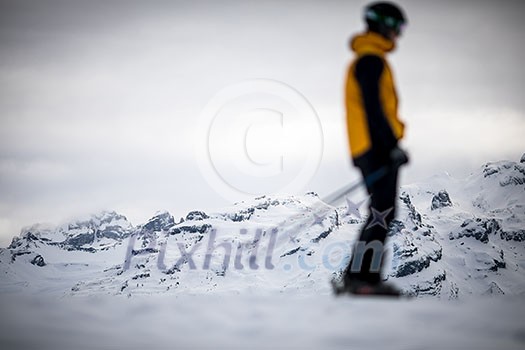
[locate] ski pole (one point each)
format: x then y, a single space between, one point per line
368 181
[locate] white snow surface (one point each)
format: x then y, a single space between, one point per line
254 321
256 275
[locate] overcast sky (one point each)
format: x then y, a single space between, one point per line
102 102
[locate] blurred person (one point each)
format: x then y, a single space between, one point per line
374 131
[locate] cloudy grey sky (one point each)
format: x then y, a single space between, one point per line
101 102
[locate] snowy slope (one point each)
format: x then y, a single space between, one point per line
221 321
452 238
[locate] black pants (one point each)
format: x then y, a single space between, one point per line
367 254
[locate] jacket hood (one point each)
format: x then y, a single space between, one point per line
371 42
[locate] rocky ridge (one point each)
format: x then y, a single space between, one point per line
451 238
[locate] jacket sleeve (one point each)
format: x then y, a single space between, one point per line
368 72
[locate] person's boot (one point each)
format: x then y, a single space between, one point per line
357 287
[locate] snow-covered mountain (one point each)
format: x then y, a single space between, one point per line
452 238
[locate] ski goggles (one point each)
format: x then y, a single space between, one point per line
397 25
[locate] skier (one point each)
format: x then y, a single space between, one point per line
374 130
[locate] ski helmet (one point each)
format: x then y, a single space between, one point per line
384 17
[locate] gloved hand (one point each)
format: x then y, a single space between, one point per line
398 157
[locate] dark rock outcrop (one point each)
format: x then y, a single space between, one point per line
80 240
412 262
441 200
190 229
508 173
38 261
432 287
160 222
413 214
518 235
196 216
479 229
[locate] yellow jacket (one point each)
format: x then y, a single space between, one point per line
371 98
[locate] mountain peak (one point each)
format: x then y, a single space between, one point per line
161 221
